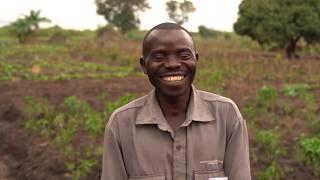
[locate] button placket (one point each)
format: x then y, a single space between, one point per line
179 155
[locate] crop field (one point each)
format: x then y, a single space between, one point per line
58 90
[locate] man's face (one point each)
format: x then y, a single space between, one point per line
170 61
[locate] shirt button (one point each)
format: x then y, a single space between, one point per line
178 148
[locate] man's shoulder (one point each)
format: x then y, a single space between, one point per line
126 112
211 97
134 104
220 101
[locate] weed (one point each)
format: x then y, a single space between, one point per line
301 90
122 100
268 141
272 172
308 151
266 95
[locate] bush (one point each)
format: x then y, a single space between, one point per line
266 95
268 141
308 151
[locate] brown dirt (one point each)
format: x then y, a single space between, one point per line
25 155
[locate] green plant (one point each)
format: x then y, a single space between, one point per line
121 13
268 142
272 172
308 151
122 100
9 70
266 95
24 27
302 90
40 116
281 23
179 11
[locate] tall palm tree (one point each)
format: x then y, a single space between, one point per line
34 19
22 28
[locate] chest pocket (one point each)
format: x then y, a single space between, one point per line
205 175
148 178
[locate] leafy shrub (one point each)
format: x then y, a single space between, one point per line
272 172
100 30
206 32
308 151
122 100
268 141
301 90
266 95
295 89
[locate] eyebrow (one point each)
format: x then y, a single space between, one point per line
184 50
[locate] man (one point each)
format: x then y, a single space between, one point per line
176 132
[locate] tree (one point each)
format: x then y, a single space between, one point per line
24 27
280 22
121 13
179 11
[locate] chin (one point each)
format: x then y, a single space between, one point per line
174 91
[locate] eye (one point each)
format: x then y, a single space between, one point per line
158 56
185 55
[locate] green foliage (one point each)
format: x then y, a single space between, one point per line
102 29
61 123
206 32
268 142
23 28
295 89
121 13
122 100
179 11
88 119
8 70
302 90
279 22
308 151
272 172
266 95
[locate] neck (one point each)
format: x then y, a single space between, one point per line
175 104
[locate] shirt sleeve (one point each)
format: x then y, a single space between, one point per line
113 167
237 163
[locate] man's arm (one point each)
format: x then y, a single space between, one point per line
237 163
113 167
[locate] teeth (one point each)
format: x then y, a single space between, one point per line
173 78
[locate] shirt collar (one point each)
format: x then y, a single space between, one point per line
151 113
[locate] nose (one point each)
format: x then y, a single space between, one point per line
173 63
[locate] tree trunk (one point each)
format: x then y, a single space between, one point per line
291 49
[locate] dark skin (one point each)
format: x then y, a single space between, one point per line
170 61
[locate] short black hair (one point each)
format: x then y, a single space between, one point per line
165 26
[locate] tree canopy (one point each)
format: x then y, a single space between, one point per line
24 27
179 11
121 13
280 22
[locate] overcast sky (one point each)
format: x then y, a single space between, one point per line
81 14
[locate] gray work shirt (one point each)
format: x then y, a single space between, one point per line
139 144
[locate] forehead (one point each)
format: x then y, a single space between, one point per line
168 38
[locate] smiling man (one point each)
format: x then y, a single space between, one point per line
175 132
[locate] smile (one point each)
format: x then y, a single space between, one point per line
173 78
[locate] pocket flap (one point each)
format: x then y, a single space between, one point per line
205 175
147 178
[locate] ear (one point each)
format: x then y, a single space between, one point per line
143 65
197 56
